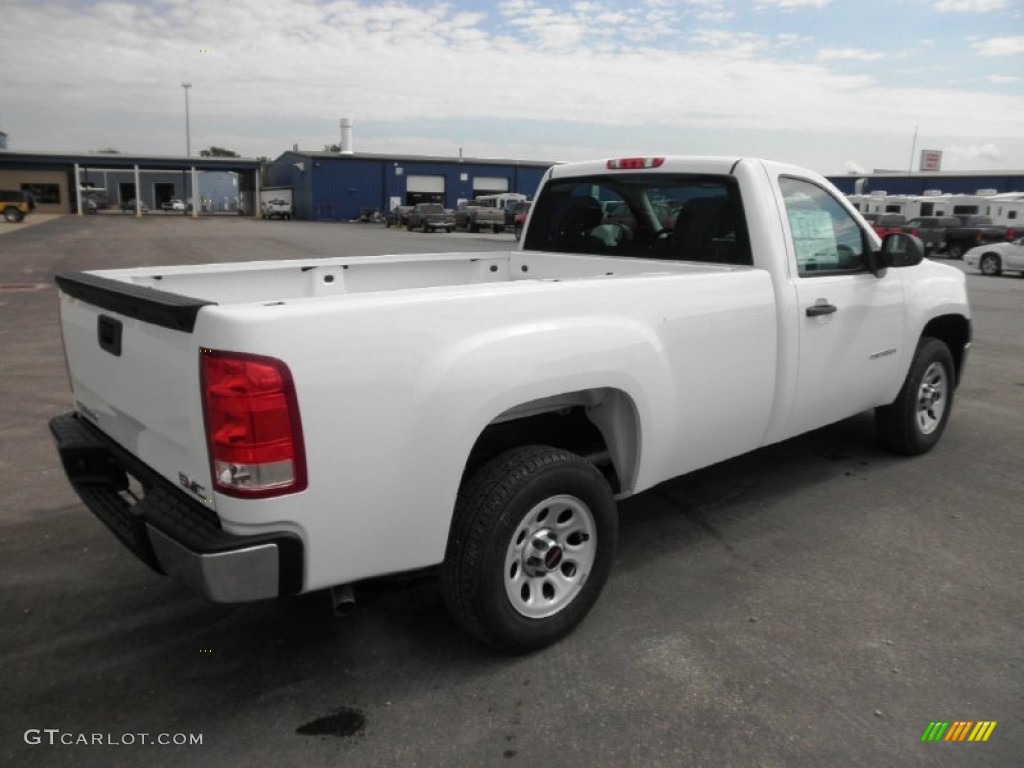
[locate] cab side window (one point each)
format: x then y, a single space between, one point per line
826 238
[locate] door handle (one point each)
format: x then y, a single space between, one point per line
821 307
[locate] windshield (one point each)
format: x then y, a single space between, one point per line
653 215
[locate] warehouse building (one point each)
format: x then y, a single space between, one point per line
342 186
924 182
114 179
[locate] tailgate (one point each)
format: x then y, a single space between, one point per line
134 369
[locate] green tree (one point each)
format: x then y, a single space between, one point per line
218 152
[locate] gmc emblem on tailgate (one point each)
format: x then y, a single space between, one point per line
191 485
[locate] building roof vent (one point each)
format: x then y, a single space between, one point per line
346 136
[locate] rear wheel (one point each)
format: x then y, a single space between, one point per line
955 251
989 265
915 420
531 546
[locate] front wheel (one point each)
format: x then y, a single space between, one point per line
915 420
530 548
13 215
990 266
955 251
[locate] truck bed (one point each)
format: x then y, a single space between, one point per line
274 281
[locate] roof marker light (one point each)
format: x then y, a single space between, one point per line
634 163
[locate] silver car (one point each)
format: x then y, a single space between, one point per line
995 258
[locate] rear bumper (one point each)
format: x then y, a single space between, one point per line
168 530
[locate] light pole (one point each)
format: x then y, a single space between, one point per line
188 153
188 133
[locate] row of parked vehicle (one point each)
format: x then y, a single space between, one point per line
471 216
954 235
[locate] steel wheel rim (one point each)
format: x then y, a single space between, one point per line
932 398
549 556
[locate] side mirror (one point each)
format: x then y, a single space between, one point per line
902 250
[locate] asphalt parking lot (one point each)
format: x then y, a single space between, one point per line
815 603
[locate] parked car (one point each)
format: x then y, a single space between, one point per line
174 205
431 217
277 207
128 206
473 217
886 223
995 258
931 230
522 210
974 231
13 205
399 216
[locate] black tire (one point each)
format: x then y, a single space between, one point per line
498 229
955 251
424 227
471 226
448 230
916 419
990 265
501 517
13 215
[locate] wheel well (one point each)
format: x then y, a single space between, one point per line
955 331
599 425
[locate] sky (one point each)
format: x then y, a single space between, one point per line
834 85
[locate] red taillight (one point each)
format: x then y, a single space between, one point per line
635 163
1011 233
913 231
252 425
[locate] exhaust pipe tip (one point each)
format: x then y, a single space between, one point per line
343 600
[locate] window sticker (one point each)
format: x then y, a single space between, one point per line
814 239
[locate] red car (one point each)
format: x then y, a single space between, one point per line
886 223
519 221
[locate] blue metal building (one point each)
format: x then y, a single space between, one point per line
341 186
949 182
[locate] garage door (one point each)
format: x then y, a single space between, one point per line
489 185
424 189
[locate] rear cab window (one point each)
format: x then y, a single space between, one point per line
644 215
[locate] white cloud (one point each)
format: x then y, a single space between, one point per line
286 71
787 39
999 46
1002 79
715 17
972 153
789 5
971 6
848 54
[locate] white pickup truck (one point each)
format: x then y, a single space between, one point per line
272 428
